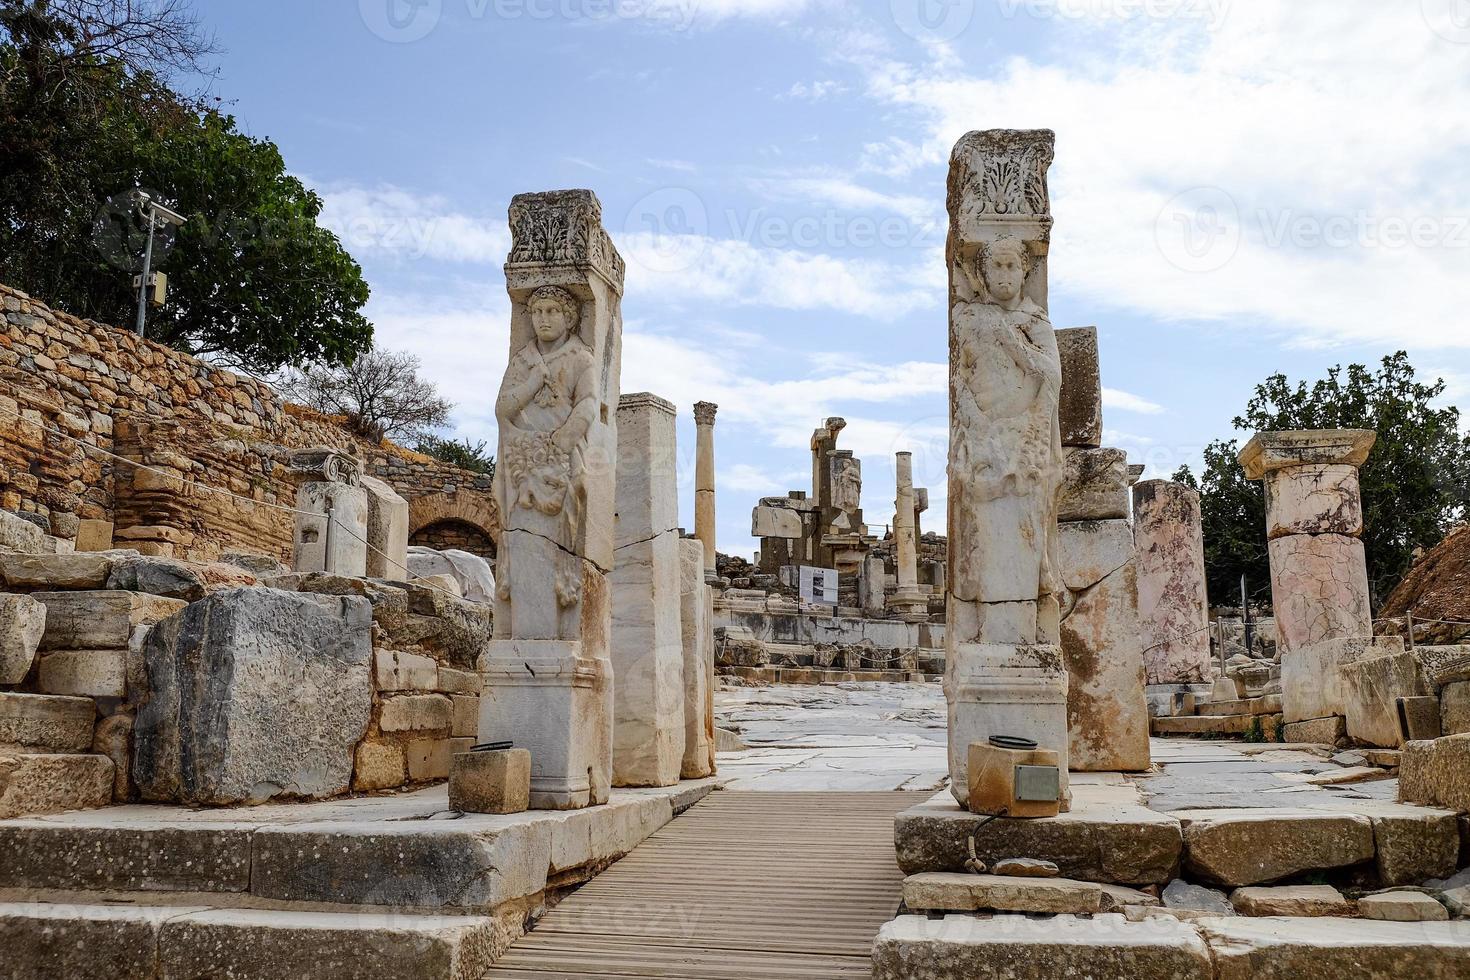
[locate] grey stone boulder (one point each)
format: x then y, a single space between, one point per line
157 576
254 694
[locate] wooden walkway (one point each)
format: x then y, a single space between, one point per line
744 886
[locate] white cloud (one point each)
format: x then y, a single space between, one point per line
385 221
1301 121
701 269
816 91
682 166
1129 402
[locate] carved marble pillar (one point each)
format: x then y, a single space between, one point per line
331 532
704 482
1004 671
908 602
1319 572
548 677
647 646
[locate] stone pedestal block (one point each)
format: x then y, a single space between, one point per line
1320 586
995 689
1173 608
254 694
331 536
548 697
1371 688
491 782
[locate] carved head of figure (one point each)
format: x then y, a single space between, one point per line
1004 265
554 314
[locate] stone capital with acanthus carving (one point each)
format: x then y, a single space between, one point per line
704 413
322 464
998 187
562 228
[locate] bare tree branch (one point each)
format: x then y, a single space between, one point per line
381 394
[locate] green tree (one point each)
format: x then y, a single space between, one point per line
459 452
86 117
1414 483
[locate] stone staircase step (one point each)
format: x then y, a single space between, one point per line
1239 724
46 723
81 942
1266 704
1224 948
36 783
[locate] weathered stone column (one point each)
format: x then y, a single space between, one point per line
331 533
1169 537
1004 672
908 601
704 482
1107 712
647 646
697 621
1319 573
548 677
387 530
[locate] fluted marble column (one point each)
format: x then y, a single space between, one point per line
704 482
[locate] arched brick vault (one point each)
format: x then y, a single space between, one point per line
472 507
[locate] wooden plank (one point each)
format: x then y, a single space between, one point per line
743 886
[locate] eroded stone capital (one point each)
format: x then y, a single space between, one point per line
1268 452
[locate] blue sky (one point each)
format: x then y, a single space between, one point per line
1241 187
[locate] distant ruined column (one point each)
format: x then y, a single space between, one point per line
704 483
1319 571
908 601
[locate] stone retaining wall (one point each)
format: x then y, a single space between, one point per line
185 418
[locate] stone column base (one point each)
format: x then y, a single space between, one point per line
910 605
547 697
998 689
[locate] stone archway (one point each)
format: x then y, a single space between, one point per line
466 520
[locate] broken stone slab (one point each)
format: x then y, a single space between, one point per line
1250 847
1116 897
1413 843
74 571
416 713
37 784
254 693
1402 907
37 723
102 620
171 578
1371 689
1180 894
913 947
1301 901
1436 772
1107 710
1308 949
20 535
84 673
1317 731
1454 708
87 941
948 892
1094 486
1025 868
394 670
1102 839
1344 777
22 625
